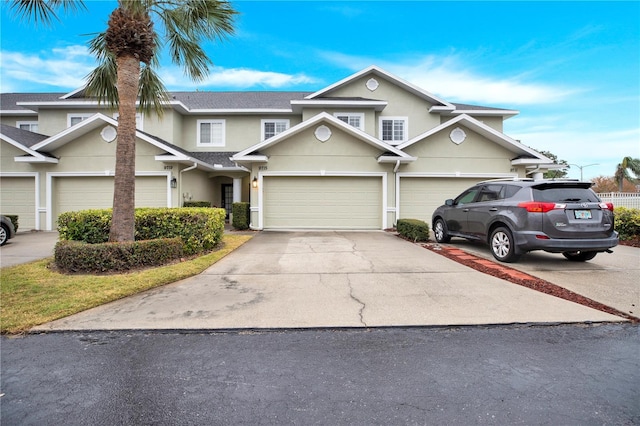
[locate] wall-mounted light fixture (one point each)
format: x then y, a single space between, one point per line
254 182
174 182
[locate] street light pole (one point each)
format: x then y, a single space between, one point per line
582 167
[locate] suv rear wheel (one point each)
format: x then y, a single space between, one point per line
579 256
502 246
440 231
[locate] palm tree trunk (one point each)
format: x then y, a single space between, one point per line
123 221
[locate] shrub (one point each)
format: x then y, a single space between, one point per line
196 204
74 256
200 229
627 222
413 229
241 214
14 221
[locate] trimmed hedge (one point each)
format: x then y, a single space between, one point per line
627 222
199 228
413 229
241 213
196 204
74 256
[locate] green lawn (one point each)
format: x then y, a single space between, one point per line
33 293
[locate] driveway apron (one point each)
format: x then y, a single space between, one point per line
330 279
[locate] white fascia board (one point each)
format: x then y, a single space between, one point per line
18 145
536 162
250 158
321 103
508 113
73 132
36 159
6 112
394 159
235 111
64 104
183 159
384 74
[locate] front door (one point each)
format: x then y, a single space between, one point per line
227 198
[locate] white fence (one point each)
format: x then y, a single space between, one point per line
629 200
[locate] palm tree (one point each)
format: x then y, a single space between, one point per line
121 81
622 171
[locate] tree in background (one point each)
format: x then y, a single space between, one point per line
622 174
121 81
602 184
555 174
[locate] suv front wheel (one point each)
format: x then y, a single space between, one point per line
502 246
440 231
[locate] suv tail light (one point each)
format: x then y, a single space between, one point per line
606 206
538 207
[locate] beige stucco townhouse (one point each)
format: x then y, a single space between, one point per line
358 154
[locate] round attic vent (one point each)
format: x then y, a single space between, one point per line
109 134
323 133
457 135
372 84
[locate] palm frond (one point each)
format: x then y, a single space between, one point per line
44 11
152 93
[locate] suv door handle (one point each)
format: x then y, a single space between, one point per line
465 210
493 209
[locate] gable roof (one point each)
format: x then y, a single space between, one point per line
389 152
379 72
24 140
525 155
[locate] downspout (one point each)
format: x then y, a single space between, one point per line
395 169
188 169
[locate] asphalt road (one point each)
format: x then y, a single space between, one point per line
560 375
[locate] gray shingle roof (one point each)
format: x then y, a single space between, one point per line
237 100
24 137
8 101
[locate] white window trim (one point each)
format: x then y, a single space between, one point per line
353 114
405 136
84 116
139 119
28 123
271 120
213 144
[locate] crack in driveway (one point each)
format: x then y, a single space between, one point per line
360 302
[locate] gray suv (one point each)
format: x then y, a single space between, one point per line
518 216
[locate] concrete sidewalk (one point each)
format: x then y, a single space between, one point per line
331 279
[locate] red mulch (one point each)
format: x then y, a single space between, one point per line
499 270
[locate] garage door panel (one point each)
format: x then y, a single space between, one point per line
18 197
419 197
96 192
323 202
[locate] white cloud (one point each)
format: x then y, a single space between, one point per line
455 80
602 150
239 78
61 68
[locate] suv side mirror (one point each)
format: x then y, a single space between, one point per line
448 202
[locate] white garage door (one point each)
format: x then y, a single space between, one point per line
419 197
18 197
323 202
96 192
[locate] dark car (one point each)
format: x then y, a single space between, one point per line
518 216
6 230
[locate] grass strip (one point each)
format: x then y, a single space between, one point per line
32 294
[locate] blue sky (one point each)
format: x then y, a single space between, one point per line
572 69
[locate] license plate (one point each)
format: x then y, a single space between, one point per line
582 214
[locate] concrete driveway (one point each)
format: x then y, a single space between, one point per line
610 278
26 247
331 279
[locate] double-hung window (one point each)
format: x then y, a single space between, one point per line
270 128
393 130
138 119
211 133
31 126
73 119
355 119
